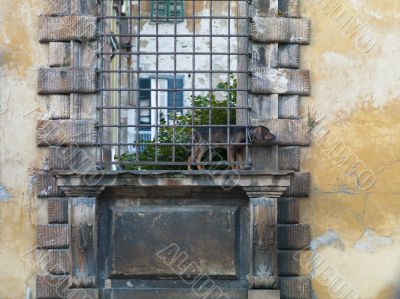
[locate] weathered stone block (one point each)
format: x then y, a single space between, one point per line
58 261
66 80
58 107
52 236
57 210
289 56
57 7
280 30
280 81
289 8
67 28
289 158
46 184
299 185
295 287
289 107
288 210
294 236
59 54
66 132
287 131
289 262
51 286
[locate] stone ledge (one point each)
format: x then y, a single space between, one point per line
271 184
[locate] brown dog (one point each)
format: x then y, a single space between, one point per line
219 139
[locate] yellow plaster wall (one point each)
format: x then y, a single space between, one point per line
354 214
20 107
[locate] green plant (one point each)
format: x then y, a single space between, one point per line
206 110
312 120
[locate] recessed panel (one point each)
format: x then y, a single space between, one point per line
198 291
172 242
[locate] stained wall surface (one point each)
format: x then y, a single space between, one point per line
354 207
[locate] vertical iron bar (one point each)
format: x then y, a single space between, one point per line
137 156
211 87
193 76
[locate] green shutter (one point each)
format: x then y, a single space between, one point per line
175 94
160 9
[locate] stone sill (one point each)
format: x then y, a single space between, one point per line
272 183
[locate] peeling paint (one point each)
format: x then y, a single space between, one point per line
4 195
370 241
329 238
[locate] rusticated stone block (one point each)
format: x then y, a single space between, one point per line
57 7
67 28
66 132
58 261
66 80
288 210
280 81
57 209
288 263
287 131
75 158
289 56
58 107
59 54
82 293
289 107
289 8
52 236
289 158
295 287
299 185
280 30
46 185
294 236
51 286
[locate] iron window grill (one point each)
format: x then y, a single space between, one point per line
171 88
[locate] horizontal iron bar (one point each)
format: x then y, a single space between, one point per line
171 108
172 35
174 53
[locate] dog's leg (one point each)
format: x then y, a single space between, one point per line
192 156
231 156
240 158
199 155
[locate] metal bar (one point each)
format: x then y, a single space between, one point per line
162 50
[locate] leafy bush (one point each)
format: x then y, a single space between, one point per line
216 109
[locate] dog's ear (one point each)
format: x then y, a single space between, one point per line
267 135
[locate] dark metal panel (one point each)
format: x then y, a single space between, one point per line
172 241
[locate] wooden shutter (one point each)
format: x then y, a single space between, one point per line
175 94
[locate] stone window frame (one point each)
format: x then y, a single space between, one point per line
68 130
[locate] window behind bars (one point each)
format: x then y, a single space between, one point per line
174 85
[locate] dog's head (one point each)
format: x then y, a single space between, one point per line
261 134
